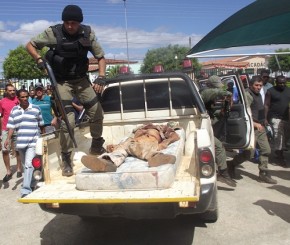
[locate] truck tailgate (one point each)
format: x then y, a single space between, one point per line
180 191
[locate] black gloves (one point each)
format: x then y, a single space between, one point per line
100 80
40 65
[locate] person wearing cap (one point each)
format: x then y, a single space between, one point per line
45 104
209 96
69 44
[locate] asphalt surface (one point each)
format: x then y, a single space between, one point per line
252 213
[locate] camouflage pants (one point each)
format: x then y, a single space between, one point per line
265 151
82 89
220 154
141 148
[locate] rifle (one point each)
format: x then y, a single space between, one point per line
59 103
226 111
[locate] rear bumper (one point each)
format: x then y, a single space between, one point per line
138 210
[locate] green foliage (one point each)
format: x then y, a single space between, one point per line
20 65
170 57
284 61
113 71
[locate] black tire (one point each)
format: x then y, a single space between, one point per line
211 215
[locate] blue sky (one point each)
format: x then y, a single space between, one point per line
151 24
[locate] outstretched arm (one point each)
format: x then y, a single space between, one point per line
170 138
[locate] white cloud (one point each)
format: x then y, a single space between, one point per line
1 26
112 38
23 32
115 37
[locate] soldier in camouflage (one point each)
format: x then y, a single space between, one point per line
69 44
209 96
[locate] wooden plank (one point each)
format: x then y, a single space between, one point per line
67 193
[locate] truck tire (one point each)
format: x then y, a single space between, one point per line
211 215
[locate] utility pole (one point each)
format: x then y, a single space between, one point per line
126 32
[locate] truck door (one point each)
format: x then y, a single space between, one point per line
238 131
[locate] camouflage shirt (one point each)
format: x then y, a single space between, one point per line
211 94
48 39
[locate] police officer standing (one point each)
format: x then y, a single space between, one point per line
68 45
254 99
209 96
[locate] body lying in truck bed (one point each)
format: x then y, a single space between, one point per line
134 173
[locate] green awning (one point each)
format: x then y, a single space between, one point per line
263 22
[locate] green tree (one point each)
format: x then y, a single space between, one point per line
113 71
284 61
170 57
20 65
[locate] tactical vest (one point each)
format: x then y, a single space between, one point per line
68 58
257 107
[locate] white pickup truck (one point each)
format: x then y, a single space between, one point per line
135 190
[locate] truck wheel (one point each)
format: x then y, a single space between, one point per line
210 216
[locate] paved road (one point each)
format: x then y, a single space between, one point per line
252 213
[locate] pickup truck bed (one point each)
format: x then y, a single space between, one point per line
129 102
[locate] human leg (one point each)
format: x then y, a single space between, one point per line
265 150
6 157
19 165
108 162
26 155
19 168
278 126
237 160
94 110
221 160
66 142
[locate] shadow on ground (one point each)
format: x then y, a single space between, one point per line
67 229
281 210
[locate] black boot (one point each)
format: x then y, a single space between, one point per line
265 177
224 177
97 146
66 161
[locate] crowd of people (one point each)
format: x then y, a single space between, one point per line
269 105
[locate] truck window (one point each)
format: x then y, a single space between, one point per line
157 95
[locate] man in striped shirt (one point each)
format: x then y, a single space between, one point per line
25 119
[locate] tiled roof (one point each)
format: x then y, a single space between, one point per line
228 62
93 63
